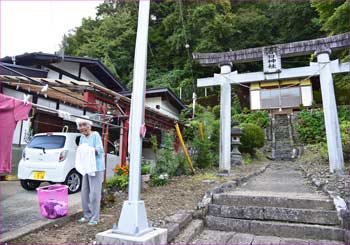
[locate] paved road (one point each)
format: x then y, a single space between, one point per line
284 177
20 208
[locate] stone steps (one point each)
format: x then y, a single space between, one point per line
282 145
282 200
272 228
222 237
193 229
307 216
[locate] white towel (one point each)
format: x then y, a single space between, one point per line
85 160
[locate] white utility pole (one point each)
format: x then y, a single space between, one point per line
133 218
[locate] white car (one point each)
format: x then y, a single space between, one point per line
50 157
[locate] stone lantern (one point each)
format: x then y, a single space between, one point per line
236 157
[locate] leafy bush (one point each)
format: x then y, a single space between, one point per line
166 161
203 153
145 169
320 150
183 168
311 129
344 113
119 182
159 180
345 136
252 138
260 118
310 126
204 157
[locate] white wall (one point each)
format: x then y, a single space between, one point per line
72 68
169 110
255 103
165 107
153 102
87 75
306 95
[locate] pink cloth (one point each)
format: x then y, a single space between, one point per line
11 111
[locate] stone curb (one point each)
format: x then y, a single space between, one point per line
177 222
202 206
36 226
341 206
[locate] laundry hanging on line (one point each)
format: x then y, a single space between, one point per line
11 111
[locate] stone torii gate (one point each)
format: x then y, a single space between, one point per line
271 57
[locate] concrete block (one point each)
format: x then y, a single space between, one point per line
266 240
211 237
190 232
242 200
182 218
325 242
327 217
240 238
269 228
200 213
173 230
157 236
293 241
347 237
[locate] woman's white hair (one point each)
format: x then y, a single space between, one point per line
79 121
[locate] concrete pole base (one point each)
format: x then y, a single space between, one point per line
157 236
223 173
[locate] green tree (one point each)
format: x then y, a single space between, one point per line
183 27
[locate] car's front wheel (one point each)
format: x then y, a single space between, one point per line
73 181
30 185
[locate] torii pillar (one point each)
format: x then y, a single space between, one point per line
225 122
335 149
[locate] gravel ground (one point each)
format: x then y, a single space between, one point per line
317 169
183 192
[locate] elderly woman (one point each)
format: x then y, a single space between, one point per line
92 183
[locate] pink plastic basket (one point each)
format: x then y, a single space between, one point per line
53 201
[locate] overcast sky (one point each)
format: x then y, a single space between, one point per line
33 26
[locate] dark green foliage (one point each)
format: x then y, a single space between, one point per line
260 118
334 16
204 153
211 26
311 126
252 138
166 160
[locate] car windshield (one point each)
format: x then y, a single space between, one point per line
47 142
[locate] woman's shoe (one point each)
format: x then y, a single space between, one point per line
92 222
82 220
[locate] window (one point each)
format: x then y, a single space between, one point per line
280 97
47 142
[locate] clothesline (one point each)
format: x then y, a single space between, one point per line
67 113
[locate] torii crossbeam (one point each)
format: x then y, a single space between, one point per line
324 68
